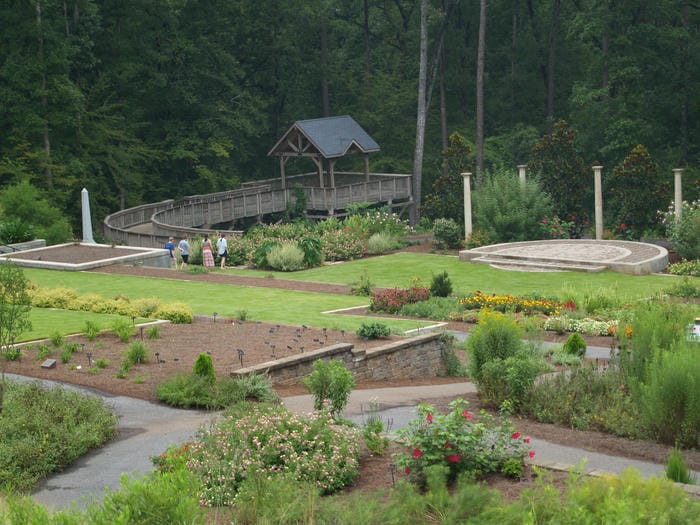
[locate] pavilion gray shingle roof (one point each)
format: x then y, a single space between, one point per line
332 136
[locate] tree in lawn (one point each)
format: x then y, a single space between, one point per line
638 192
562 172
15 305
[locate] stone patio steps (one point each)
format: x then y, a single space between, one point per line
533 263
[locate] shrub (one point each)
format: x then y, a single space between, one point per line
575 345
391 301
454 367
137 353
153 332
381 243
670 397
271 440
684 234
685 267
262 251
124 328
508 379
436 308
363 286
46 429
311 246
330 382
44 351
56 338
178 313
506 211
66 355
459 443
204 367
372 431
286 257
447 234
688 288
373 330
342 245
15 230
441 285
13 353
677 469
191 391
496 336
92 330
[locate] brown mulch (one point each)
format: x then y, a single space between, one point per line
178 346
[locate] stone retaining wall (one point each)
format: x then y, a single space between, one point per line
419 356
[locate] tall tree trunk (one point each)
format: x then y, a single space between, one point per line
443 112
481 53
421 113
44 102
551 62
324 71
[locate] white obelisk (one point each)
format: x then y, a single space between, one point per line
87 221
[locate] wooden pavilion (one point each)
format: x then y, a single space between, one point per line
324 141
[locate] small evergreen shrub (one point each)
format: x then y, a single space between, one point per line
137 353
496 336
373 330
447 234
204 367
575 345
330 382
441 285
15 230
286 257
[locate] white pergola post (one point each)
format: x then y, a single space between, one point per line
598 189
521 174
678 192
466 176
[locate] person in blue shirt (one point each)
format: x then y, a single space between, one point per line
170 246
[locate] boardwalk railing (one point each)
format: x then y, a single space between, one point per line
150 225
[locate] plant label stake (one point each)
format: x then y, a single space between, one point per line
241 353
89 357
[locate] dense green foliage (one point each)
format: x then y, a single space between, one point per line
140 103
43 430
200 391
330 383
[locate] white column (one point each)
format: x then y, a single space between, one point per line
467 204
87 220
678 192
521 173
598 189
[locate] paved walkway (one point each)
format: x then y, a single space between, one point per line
147 429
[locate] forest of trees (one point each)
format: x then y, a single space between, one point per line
143 100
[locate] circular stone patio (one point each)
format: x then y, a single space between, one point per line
583 255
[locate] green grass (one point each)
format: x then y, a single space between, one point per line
261 304
296 307
47 320
400 269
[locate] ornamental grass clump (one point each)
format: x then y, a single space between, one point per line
461 442
270 441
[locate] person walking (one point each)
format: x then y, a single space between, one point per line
222 249
184 249
207 252
170 246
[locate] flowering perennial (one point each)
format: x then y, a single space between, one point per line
271 441
511 303
391 301
460 443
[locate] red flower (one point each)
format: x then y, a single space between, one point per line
417 453
527 439
453 458
531 454
623 227
467 414
430 417
407 470
515 435
448 445
544 220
